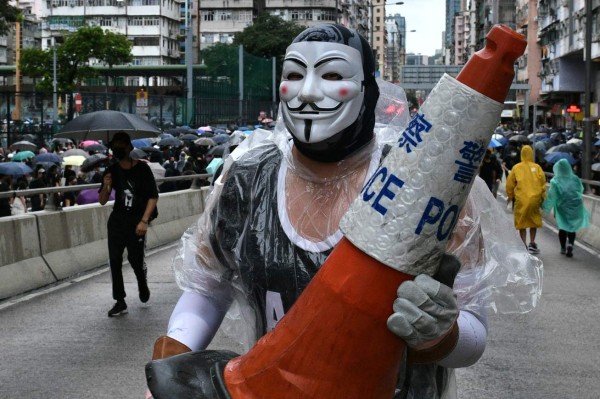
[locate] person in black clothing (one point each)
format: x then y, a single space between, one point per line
38 201
5 209
490 171
135 204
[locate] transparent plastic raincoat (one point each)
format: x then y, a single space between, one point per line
247 250
526 186
565 199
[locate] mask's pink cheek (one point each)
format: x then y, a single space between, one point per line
343 92
283 89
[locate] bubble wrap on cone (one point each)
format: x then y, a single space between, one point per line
407 211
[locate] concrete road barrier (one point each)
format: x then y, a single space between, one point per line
41 248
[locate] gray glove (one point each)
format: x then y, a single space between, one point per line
424 312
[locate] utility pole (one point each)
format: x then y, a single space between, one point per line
587 121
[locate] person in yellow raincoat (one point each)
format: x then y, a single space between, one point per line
526 187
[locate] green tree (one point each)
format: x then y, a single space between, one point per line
73 57
8 15
268 36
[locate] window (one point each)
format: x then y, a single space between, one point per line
146 41
224 15
208 15
295 15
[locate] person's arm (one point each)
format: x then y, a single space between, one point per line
196 319
105 190
142 226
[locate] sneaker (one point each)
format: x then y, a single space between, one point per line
569 251
532 248
119 309
563 251
144 293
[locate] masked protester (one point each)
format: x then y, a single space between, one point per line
135 203
273 218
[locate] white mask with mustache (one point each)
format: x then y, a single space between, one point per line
321 89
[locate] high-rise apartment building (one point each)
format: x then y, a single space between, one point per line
153 26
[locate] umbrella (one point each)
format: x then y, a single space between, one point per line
540 146
494 144
96 148
139 143
22 155
206 141
221 138
150 149
189 137
61 140
565 148
172 141
75 151
138 153
218 151
596 167
74 160
575 141
93 162
157 169
205 129
537 136
24 146
14 169
47 157
554 157
519 139
86 143
597 143
165 135
102 125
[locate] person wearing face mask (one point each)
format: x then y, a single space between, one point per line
273 218
134 208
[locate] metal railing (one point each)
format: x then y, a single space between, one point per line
79 187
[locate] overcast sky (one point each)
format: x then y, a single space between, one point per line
428 18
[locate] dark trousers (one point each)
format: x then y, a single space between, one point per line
563 235
121 235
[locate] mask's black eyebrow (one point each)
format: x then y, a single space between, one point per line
297 61
329 59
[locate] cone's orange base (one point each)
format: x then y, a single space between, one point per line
334 342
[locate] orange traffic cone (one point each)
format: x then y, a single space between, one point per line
334 343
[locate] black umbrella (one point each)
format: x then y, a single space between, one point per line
24 146
96 148
567 147
170 141
188 137
519 139
102 125
93 161
61 140
218 151
149 149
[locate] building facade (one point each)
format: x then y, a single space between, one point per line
561 35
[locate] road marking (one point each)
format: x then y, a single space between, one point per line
60 285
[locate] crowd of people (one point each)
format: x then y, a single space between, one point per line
178 158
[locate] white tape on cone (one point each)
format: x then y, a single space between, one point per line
406 212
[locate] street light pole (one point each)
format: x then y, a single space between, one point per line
54 89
